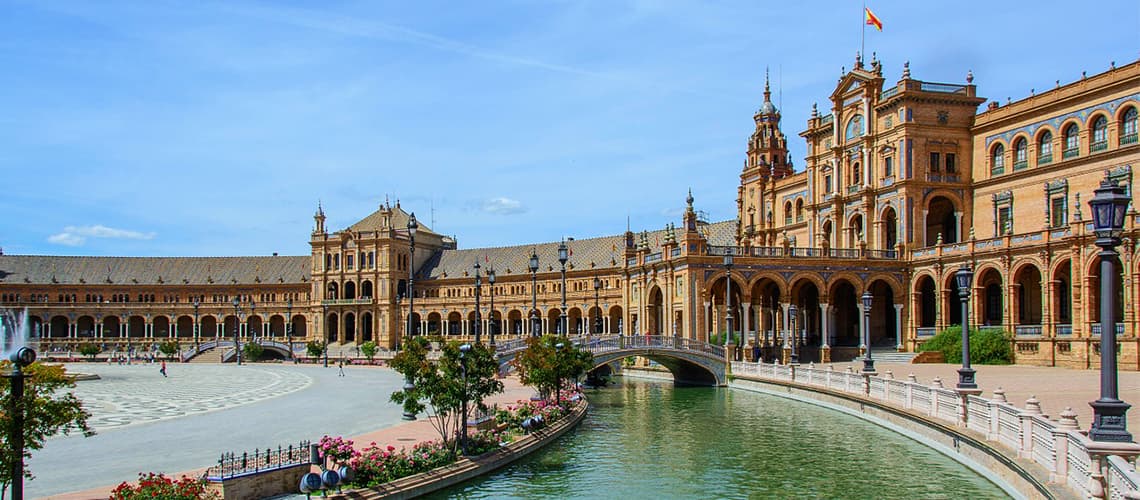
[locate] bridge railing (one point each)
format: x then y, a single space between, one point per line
1058 446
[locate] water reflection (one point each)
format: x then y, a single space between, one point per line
650 439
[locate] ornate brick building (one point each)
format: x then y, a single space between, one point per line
901 186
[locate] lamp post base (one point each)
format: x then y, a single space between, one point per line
1109 422
966 379
869 365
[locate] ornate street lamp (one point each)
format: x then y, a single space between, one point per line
412 227
463 350
868 363
478 313
289 325
197 327
1109 207
237 326
127 331
598 319
795 341
965 278
728 298
20 359
325 330
535 327
493 324
562 257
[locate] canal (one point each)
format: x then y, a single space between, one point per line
646 438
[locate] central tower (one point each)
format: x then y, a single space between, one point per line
766 161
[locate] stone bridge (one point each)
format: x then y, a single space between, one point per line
227 348
690 361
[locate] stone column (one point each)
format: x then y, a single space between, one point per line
825 332
859 326
898 328
746 321
958 227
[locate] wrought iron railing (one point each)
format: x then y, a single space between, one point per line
1098 146
1095 329
1063 329
1027 329
1045 159
232 465
1070 153
1128 139
927 331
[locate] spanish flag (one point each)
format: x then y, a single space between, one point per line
871 19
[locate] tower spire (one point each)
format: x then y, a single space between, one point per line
767 89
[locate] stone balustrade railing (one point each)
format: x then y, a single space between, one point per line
1091 469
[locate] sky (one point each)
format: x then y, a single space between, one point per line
156 128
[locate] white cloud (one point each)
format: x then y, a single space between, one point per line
74 236
503 206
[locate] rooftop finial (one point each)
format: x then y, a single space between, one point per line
814 110
858 60
970 76
689 199
906 70
320 209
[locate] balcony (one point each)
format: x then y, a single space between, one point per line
854 188
997 170
1020 165
1128 139
803 252
937 177
653 257
927 331
1045 159
1027 330
1095 329
1070 153
1098 146
346 302
1063 329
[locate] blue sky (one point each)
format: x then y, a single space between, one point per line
157 128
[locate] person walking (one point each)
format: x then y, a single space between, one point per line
340 366
163 369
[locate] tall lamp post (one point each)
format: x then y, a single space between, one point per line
868 363
494 324
478 313
463 350
1109 207
728 299
562 257
197 327
20 359
325 330
237 326
965 278
795 341
127 330
598 318
289 325
412 227
535 327
252 314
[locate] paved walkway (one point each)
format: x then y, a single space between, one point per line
308 402
1056 388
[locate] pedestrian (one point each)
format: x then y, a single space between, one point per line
163 369
756 353
340 365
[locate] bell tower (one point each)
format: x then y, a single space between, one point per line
766 161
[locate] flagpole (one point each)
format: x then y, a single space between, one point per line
863 35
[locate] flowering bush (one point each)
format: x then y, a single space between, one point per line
514 415
375 465
153 485
487 440
340 450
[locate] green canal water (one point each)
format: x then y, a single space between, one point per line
649 439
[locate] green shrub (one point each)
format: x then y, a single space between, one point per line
718 338
252 351
89 350
987 347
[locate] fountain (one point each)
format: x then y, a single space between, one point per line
13 346
14 331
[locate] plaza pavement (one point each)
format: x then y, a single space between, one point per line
181 424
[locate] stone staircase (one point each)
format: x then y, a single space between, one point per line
890 355
210 356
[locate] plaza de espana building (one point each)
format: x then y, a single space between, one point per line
904 182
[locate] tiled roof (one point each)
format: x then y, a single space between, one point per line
149 270
605 252
375 221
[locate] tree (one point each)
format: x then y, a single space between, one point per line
89 350
315 348
545 366
369 350
252 351
169 349
439 386
49 409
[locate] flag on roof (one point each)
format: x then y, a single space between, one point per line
871 19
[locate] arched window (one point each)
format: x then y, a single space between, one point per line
854 127
1045 148
800 210
1128 127
1020 153
1072 142
856 178
1099 134
997 160
788 212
